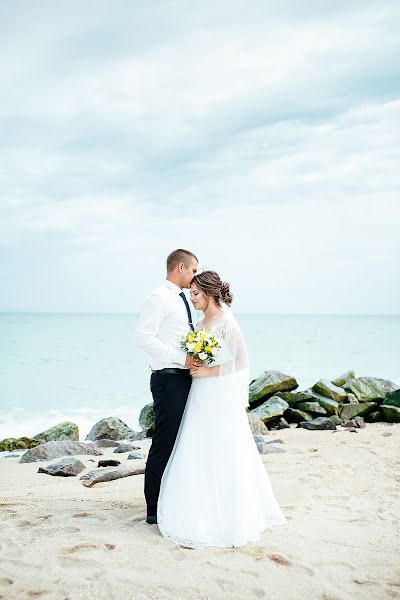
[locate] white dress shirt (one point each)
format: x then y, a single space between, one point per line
162 323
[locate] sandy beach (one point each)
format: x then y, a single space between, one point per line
340 492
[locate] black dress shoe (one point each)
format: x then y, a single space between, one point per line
152 519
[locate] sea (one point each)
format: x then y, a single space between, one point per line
83 367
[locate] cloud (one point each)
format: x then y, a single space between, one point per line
265 140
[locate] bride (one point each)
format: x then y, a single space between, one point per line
215 490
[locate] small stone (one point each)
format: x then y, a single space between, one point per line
125 447
318 423
136 455
67 467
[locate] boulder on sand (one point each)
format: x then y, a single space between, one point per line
268 383
318 423
111 428
63 431
273 407
55 449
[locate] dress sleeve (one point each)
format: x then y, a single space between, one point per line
233 363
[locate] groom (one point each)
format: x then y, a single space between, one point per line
165 318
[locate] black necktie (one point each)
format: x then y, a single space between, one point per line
182 295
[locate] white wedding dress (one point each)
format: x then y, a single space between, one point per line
215 490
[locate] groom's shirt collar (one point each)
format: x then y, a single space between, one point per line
172 286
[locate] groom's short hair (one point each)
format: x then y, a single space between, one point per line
178 256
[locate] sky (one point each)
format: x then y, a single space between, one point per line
262 136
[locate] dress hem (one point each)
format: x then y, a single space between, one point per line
200 545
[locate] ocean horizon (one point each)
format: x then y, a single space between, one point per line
83 366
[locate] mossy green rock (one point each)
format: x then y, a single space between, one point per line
331 406
329 390
393 399
270 382
271 408
63 431
314 407
374 417
294 397
369 388
146 417
391 414
342 379
22 443
295 415
348 411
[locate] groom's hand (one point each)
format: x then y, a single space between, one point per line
191 361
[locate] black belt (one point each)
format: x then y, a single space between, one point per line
171 371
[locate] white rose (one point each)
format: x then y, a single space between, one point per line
190 347
203 355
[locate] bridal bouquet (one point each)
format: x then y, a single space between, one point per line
201 344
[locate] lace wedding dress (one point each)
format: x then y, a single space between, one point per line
215 490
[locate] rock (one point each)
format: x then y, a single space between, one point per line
329 390
367 388
22 443
272 407
260 439
109 474
126 447
331 406
136 455
296 415
256 425
146 417
278 423
359 421
268 383
55 449
108 462
318 423
342 379
393 399
390 414
314 407
373 417
140 435
335 419
348 411
105 443
294 397
352 399
356 422
66 467
264 448
388 386
63 431
111 428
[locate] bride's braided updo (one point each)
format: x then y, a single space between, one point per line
210 283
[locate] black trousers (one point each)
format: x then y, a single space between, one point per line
170 392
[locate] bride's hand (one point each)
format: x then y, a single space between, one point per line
199 371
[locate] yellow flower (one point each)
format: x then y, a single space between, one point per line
197 347
202 337
207 349
191 337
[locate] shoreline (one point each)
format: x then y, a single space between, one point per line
339 491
